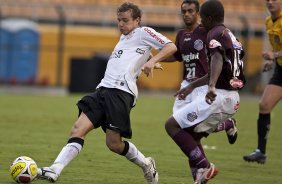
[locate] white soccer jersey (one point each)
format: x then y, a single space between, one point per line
130 54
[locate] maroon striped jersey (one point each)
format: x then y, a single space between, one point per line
191 50
222 39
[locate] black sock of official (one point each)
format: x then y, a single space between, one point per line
263 127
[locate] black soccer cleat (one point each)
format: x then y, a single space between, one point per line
46 173
232 132
255 156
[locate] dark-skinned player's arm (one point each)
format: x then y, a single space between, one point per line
215 69
182 93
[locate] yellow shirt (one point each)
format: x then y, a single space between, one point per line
274 31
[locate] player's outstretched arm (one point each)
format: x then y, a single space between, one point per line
170 58
157 66
166 51
182 93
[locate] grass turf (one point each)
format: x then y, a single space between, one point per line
38 126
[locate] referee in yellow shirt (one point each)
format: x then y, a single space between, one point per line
273 91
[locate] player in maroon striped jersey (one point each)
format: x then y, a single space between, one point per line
191 51
218 97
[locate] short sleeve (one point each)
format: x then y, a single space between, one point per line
153 38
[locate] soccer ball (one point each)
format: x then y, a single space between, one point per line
23 169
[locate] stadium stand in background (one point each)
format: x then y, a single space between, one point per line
71 29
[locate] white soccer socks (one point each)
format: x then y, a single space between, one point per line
134 155
67 154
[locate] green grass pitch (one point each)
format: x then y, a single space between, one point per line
38 126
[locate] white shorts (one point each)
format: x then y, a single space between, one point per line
200 91
206 117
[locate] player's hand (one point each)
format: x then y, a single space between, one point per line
158 66
267 65
211 95
150 56
269 55
148 68
182 93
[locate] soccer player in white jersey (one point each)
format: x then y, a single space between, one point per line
110 105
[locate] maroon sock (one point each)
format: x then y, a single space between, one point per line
226 125
193 169
202 149
190 148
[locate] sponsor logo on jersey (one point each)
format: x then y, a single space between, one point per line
213 44
236 83
186 39
152 34
198 44
116 54
192 116
140 51
191 56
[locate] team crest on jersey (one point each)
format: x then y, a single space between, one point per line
192 116
198 45
213 44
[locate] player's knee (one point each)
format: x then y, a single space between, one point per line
264 107
171 127
167 125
